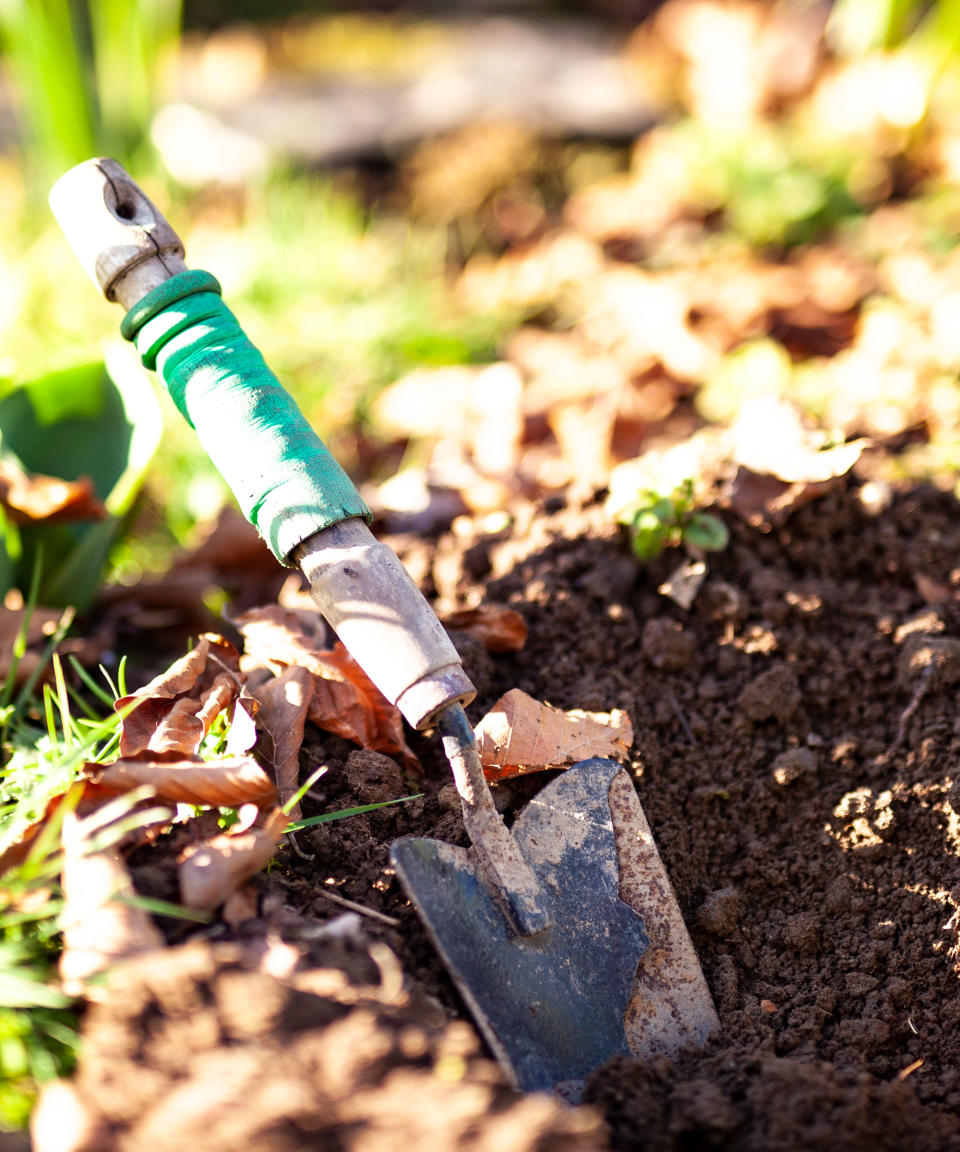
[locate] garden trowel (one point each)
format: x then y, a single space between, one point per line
563 934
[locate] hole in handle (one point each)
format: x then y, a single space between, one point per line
125 209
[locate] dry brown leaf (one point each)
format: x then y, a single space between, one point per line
37 498
520 734
210 872
284 702
479 407
644 318
175 710
231 544
225 783
537 275
765 501
497 628
782 463
100 924
413 500
348 703
186 723
345 700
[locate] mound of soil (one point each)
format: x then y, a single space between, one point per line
218 1046
796 745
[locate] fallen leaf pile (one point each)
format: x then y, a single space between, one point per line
759 244
284 677
749 303
342 698
174 712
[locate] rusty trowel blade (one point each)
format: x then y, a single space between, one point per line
551 1005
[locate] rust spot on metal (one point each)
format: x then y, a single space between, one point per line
670 1006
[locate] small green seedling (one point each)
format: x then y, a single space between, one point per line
657 522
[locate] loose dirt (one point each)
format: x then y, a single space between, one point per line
796 751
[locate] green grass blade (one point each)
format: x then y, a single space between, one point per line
63 626
304 788
166 908
92 686
343 813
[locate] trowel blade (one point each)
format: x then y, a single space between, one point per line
551 1006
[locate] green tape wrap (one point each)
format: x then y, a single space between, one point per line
282 474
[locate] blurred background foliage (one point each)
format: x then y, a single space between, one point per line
777 132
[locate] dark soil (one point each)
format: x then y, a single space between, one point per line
796 747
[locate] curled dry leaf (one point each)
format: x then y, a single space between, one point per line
284 702
345 700
209 873
33 498
225 783
174 711
497 628
520 734
100 924
766 502
348 703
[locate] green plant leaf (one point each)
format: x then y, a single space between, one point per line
100 420
706 531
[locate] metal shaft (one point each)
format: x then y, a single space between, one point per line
498 852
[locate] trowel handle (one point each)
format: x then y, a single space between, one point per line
287 483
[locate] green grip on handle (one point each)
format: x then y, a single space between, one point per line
284 478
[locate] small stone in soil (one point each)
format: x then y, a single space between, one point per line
936 657
666 645
773 695
794 765
720 912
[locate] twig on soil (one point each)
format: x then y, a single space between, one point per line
292 841
684 723
907 715
334 898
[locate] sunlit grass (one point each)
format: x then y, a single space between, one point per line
46 739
